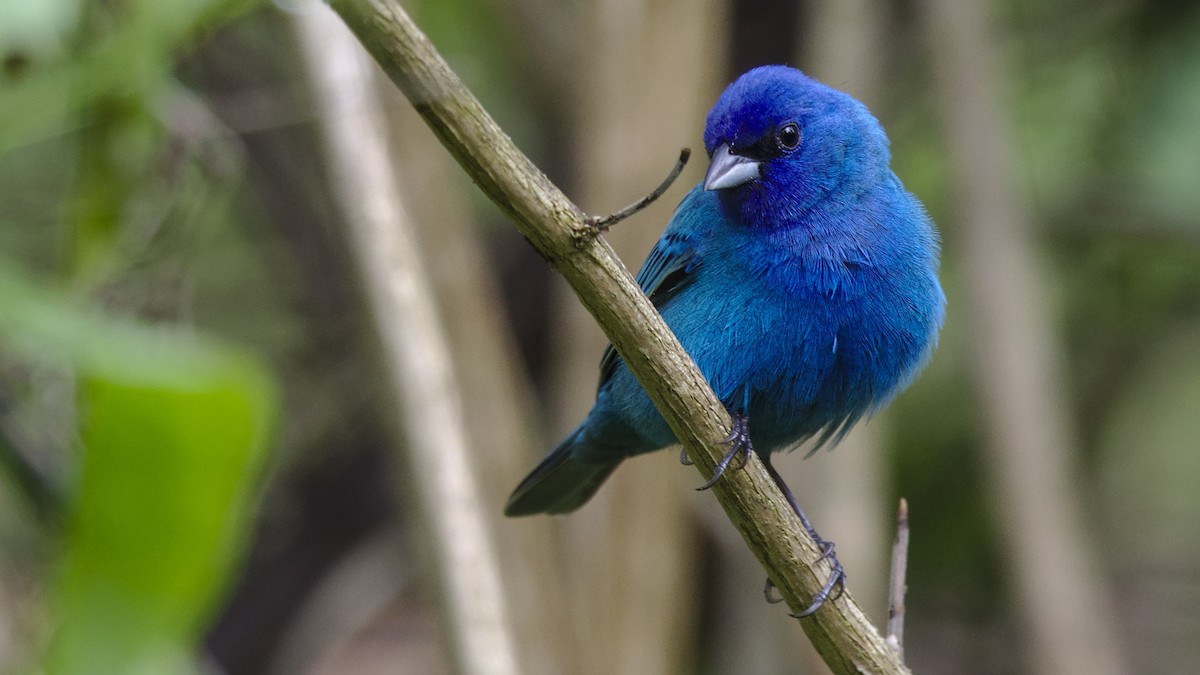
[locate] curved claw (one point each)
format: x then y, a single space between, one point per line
739 438
841 588
826 550
769 595
723 465
837 579
739 433
743 457
683 458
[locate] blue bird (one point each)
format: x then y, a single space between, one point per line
800 276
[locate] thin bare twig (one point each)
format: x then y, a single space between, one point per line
602 223
897 587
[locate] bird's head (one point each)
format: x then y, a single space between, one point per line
780 143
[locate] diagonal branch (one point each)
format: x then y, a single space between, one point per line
559 231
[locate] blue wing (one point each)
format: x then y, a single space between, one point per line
669 268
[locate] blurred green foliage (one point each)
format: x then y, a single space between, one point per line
172 435
162 507
106 182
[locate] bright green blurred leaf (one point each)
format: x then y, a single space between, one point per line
164 489
35 28
173 432
1163 142
132 60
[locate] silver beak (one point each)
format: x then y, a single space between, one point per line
729 170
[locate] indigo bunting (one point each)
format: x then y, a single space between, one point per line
800 276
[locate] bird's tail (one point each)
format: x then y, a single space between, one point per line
560 483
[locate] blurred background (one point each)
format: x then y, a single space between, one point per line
224 397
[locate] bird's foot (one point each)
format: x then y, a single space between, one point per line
837 581
834 587
740 449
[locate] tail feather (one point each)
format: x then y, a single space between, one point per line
559 483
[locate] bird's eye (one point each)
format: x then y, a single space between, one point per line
788 137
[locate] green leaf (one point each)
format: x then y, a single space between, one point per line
35 29
130 61
173 433
1162 141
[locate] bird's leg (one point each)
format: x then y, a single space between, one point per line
837 580
769 593
600 224
740 448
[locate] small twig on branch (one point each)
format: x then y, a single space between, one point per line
897 587
602 223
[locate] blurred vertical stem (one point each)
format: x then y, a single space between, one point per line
414 346
842 634
1062 596
497 397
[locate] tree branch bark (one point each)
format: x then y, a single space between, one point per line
557 229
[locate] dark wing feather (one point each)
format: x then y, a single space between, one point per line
669 268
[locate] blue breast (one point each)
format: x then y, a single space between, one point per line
811 326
